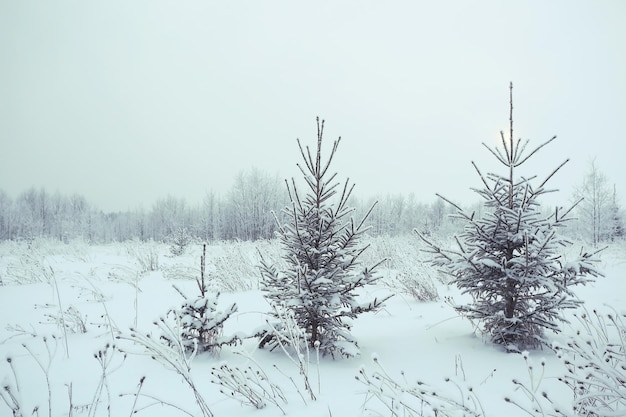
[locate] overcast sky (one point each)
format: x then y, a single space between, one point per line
126 102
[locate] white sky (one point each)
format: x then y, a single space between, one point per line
125 102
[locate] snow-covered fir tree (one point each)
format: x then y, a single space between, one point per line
197 325
508 259
322 244
179 241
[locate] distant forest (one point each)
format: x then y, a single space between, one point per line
249 211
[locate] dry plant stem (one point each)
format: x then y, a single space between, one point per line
290 378
45 368
105 359
132 410
17 382
537 409
404 400
61 314
70 412
317 357
248 386
293 340
107 316
157 401
12 401
511 401
20 331
136 301
276 392
175 359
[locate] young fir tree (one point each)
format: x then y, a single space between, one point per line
179 241
197 325
508 259
318 285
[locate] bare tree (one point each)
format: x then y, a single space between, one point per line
250 203
595 212
617 220
209 217
6 216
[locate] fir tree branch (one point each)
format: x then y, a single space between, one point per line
553 172
535 151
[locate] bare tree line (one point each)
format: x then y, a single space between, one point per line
249 209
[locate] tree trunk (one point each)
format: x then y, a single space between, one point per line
509 299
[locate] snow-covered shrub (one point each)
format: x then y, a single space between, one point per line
508 259
322 245
401 398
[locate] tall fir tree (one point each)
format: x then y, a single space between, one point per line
322 244
508 259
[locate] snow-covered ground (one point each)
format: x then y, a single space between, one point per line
87 371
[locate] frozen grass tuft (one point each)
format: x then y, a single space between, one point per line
407 272
146 254
237 266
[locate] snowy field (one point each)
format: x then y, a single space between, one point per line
66 348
